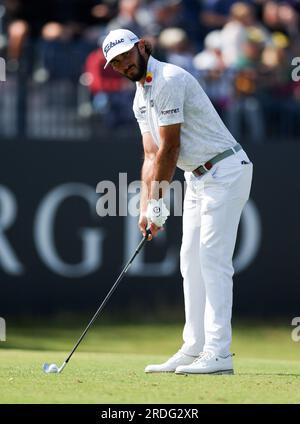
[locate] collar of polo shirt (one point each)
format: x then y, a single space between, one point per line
150 72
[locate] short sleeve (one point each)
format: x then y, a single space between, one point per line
170 102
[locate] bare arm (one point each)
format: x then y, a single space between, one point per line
166 157
150 151
159 165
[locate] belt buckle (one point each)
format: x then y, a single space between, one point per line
206 167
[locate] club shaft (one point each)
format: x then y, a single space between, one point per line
141 244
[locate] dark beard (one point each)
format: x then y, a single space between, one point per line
141 68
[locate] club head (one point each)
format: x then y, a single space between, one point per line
53 368
50 368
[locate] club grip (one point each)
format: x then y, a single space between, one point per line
148 233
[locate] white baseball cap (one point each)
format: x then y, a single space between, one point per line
117 42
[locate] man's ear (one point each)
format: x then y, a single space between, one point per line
141 46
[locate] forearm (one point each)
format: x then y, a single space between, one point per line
159 166
164 168
147 177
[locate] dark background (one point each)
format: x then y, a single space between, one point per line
267 287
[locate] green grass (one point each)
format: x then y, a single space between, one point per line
108 367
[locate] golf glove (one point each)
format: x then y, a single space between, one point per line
157 212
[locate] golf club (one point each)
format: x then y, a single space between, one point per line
53 368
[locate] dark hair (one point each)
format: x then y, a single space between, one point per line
148 47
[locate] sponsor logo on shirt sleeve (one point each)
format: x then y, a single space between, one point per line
170 111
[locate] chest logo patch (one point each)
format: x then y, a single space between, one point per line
149 77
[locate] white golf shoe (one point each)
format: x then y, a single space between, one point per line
208 363
171 364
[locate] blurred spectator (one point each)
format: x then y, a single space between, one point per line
246 111
59 56
23 19
131 16
104 11
213 75
169 13
178 48
213 43
215 13
235 32
111 94
245 51
65 40
281 107
282 16
52 20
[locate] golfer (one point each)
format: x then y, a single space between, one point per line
180 127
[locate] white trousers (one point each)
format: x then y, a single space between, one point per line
212 209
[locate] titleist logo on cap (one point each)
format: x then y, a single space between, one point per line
112 44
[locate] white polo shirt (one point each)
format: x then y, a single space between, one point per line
171 95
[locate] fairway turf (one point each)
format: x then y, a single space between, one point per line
108 367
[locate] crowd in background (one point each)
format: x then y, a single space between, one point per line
240 51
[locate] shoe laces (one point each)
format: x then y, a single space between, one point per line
204 356
209 355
